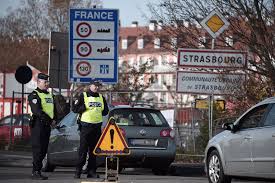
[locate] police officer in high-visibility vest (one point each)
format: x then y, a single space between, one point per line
91 106
42 107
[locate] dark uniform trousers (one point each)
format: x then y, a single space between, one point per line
89 136
40 135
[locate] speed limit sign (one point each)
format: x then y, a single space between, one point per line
93 45
83 49
83 29
83 68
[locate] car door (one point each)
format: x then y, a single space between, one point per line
58 145
263 147
5 130
238 150
71 141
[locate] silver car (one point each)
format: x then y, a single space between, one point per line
147 133
246 148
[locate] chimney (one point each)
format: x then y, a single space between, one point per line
160 24
134 24
152 25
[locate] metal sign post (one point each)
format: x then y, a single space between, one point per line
23 75
211 98
215 23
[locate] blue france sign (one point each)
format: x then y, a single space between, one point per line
93 45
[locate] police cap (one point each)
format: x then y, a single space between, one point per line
96 83
43 76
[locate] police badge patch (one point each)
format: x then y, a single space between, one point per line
34 101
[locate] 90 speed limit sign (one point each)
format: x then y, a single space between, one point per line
83 68
83 29
83 49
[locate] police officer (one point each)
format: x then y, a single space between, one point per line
42 107
91 106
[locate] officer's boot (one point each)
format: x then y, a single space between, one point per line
36 175
92 174
77 173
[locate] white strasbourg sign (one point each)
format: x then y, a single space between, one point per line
211 58
209 83
93 45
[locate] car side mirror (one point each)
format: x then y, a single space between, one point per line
228 126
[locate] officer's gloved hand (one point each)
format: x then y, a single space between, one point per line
45 118
53 124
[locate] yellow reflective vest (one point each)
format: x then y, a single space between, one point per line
94 107
46 103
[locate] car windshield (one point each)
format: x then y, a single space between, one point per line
6 121
68 120
16 120
139 117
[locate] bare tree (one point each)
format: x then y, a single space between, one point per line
24 32
130 87
251 29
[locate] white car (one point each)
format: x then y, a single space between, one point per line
246 148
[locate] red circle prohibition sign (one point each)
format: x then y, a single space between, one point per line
83 49
84 71
83 29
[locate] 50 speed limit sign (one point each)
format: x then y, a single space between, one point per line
83 68
83 29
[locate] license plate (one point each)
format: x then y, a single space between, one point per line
147 142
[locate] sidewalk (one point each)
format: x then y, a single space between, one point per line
15 158
24 159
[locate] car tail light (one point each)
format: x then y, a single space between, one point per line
122 131
167 133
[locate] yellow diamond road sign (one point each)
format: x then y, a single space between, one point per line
215 23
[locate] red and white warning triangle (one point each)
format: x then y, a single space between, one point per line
111 141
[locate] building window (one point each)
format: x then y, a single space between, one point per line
173 42
168 80
156 78
132 61
163 97
124 44
157 43
153 61
163 79
164 59
202 41
124 65
229 41
140 43
142 60
174 78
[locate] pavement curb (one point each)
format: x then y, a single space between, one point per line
13 158
24 159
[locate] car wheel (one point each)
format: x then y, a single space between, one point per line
215 170
160 171
120 169
46 165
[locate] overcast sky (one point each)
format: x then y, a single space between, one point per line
130 10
